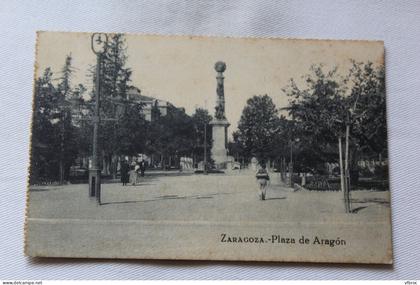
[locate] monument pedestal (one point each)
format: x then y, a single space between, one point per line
219 146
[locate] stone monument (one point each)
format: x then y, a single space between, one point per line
220 123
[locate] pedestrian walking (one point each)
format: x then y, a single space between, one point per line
125 168
263 180
142 168
133 173
137 170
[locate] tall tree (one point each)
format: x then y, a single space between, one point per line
171 136
43 160
54 140
68 144
115 79
330 102
81 120
319 110
201 119
132 133
257 127
368 100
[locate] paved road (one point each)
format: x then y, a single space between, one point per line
184 217
215 197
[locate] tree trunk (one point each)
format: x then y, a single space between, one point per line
106 163
354 167
114 166
283 169
162 162
347 170
342 181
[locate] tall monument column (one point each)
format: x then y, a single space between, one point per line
219 123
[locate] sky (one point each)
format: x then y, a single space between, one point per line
180 69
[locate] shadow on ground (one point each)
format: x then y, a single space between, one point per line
169 197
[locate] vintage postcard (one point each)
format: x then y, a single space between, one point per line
208 148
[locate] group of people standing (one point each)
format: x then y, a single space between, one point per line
131 172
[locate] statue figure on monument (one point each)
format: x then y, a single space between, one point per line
220 67
220 123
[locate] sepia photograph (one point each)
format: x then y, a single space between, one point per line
208 148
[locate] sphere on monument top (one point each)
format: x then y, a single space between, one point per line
220 66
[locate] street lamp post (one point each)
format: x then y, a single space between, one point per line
99 45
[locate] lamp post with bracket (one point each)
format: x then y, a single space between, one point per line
99 42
